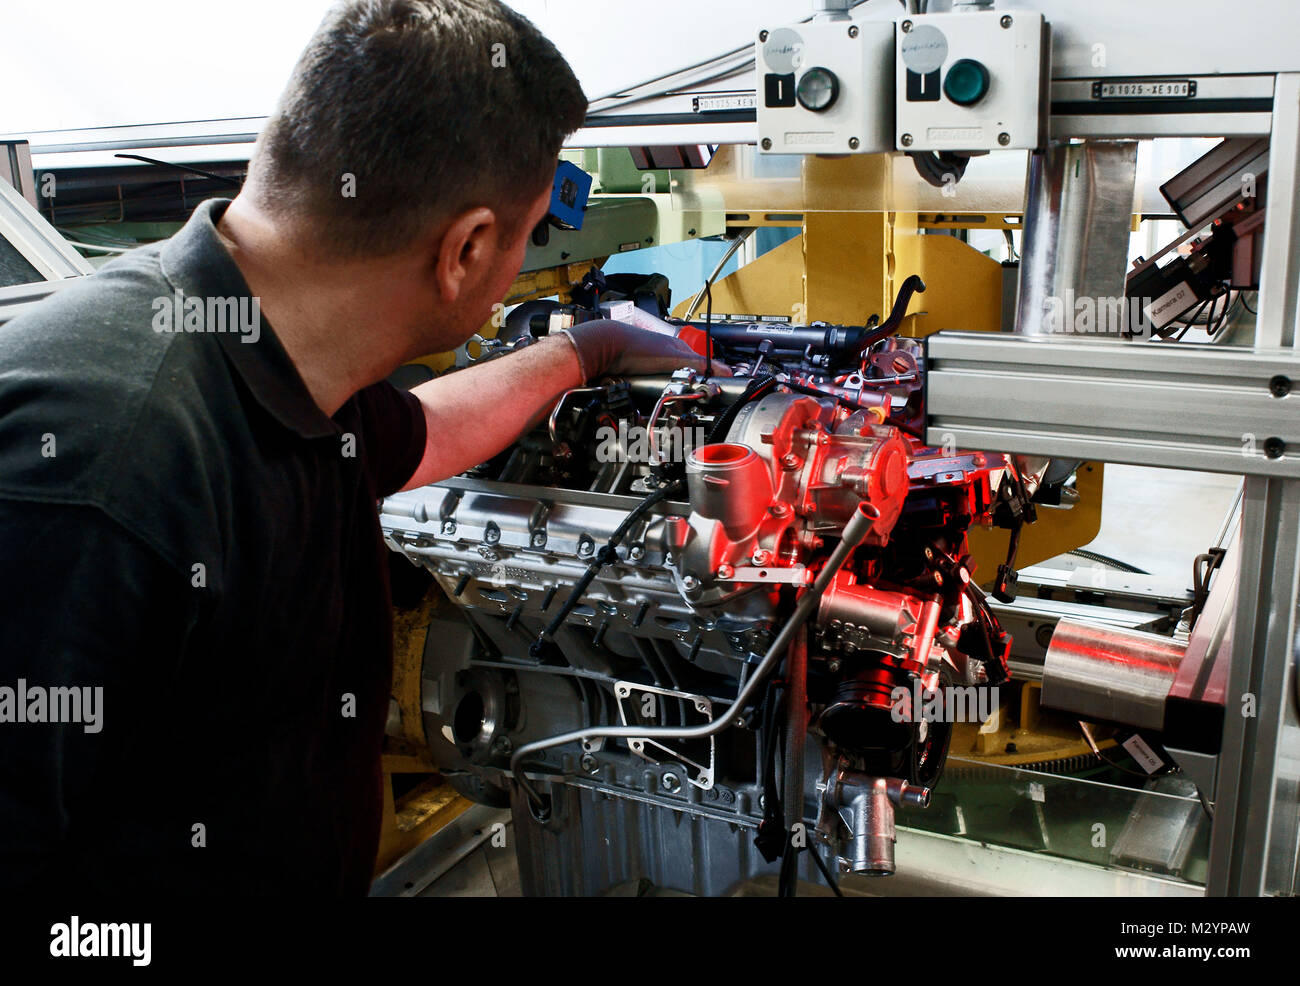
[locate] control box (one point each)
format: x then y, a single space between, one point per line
971 81
824 88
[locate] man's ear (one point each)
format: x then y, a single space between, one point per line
466 247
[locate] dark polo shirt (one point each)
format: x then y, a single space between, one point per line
181 526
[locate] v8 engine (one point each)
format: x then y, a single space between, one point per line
711 599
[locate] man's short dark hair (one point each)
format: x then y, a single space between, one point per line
431 106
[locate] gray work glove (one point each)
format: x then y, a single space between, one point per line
615 349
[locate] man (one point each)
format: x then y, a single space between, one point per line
194 612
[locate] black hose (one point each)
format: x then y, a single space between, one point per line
1114 563
912 285
758 387
604 556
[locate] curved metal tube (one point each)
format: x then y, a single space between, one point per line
731 252
553 420
858 527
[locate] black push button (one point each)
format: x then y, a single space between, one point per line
778 90
922 88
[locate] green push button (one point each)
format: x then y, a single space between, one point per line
967 82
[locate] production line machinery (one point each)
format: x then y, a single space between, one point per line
698 624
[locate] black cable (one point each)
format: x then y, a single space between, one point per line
604 556
1228 306
1108 560
772 838
1096 749
936 169
825 871
708 328
1247 304
1185 322
787 881
911 285
757 387
182 167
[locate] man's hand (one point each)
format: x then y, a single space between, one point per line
616 349
477 412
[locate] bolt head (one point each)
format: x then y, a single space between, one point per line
1005 21
853 31
854 142
670 782
725 571
767 144
636 552
690 583
762 35
1279 386
906 27
760 557
905 140
1004 139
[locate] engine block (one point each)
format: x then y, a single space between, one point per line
655 600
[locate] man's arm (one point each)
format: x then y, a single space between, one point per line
477 412
473 414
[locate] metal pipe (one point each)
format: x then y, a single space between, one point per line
855 531
865 805
1106 673
708 284
552 421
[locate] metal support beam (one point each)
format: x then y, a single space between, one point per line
1279 278
1255 829
1176 406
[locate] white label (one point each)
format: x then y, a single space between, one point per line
712 104
783 51
1143 754
1169 305
924 49
1143 90
1037 793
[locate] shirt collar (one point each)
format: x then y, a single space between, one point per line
197 264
